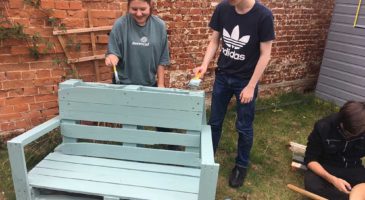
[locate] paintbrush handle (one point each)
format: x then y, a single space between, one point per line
116 74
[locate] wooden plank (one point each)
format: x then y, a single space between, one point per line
63 197
345 18
297 165
345 57
66 138
305 192
207 154
36 132
356 89
127 141
74 70
196 142
346 28
209 169
351 78
349 38
106 189
93 45
110 198
298 158
70 83
346 9
208 182
346 48
129 135
130 115
121 164
353 2
163 99
82 30
19 170
86 58
297 148
343 67
328 97
63 45
334 94
119 177
131 153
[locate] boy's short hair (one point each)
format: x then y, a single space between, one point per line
352 117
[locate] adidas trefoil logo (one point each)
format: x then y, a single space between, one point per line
233 41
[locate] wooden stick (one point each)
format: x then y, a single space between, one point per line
87 58
92 36
297 148
82 30
305 192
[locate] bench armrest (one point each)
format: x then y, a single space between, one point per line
17 156
36 132
209 169
207 154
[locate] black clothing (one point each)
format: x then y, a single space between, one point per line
338 156
327 145
318 185
241 36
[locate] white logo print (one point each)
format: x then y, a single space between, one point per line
142 42
234 42
144 39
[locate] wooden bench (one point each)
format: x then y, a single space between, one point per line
123 161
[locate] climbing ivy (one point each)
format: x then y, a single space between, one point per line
33 3
11 31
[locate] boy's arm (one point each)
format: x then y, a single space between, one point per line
265 54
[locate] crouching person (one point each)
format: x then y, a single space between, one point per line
334 151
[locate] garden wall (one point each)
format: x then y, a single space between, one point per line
32 65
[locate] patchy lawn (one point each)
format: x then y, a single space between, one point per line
278 121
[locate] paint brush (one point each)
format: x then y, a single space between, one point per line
194 83
117 81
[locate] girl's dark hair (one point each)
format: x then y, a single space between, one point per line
148 1
352 117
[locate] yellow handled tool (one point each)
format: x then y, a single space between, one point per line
194 83
117 80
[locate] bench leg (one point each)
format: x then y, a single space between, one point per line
19 171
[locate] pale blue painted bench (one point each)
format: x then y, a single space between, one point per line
114 162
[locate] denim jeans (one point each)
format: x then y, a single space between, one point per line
225 86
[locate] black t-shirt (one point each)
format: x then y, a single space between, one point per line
241 36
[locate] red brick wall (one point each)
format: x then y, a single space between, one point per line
28 87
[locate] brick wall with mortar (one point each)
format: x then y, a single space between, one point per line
28 87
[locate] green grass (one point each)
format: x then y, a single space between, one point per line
278 120
34 152
274 127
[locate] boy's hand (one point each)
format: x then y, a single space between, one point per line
341 185
111 60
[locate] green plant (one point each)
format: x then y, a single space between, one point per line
35 41
10 30
72 45
33 3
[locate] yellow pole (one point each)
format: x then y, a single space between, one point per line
357 13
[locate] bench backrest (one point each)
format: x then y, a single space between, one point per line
84 106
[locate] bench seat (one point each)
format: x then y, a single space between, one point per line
106 177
